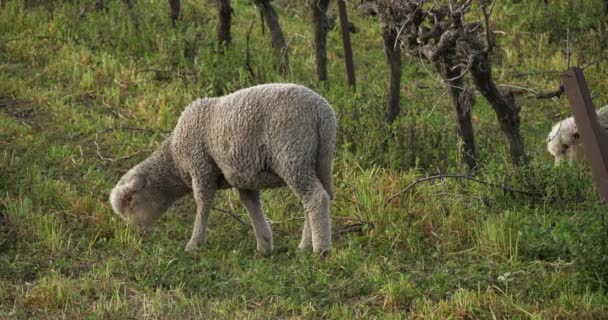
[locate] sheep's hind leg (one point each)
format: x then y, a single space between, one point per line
306 241
263 233
203 195
316 208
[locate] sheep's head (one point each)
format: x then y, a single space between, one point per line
137 201
564 141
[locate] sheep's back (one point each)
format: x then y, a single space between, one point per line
252 132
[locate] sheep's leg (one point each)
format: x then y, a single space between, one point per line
316 208
306 241
263 233
203 195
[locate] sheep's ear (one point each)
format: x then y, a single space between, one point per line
576 135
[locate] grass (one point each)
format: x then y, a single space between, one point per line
445 249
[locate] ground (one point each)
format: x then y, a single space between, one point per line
87 92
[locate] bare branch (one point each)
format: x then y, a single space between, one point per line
107 130
111 159
247 54
486 15
460 176
234 216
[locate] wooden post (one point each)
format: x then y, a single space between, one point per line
585 117
348 52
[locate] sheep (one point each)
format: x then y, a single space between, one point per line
564 143
266 136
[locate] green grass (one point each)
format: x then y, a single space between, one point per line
445 249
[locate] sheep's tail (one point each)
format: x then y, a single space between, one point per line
327 142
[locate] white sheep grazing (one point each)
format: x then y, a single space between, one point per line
261 137
564 142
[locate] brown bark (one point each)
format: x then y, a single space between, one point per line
463 101
442 35
321 22
392 54
224 16
503 104
175 11
277 40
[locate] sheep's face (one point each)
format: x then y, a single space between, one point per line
564 142
137 202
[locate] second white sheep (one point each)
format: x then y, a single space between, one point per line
564 143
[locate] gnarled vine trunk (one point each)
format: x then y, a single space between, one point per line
321 22
463 100
277 40
503 103
440 33
392 53
224 16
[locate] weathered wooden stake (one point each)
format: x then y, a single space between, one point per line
348 51
585 117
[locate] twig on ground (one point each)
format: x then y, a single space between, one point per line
234 216
128 128
102 157
459 176
114 112
98 148
358 226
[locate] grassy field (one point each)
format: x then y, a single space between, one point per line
85 94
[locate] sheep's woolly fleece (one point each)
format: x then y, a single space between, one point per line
260 137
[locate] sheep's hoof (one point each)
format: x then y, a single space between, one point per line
191 247
304 245
323 253
265 248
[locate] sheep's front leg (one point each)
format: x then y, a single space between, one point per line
203 195
263 233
